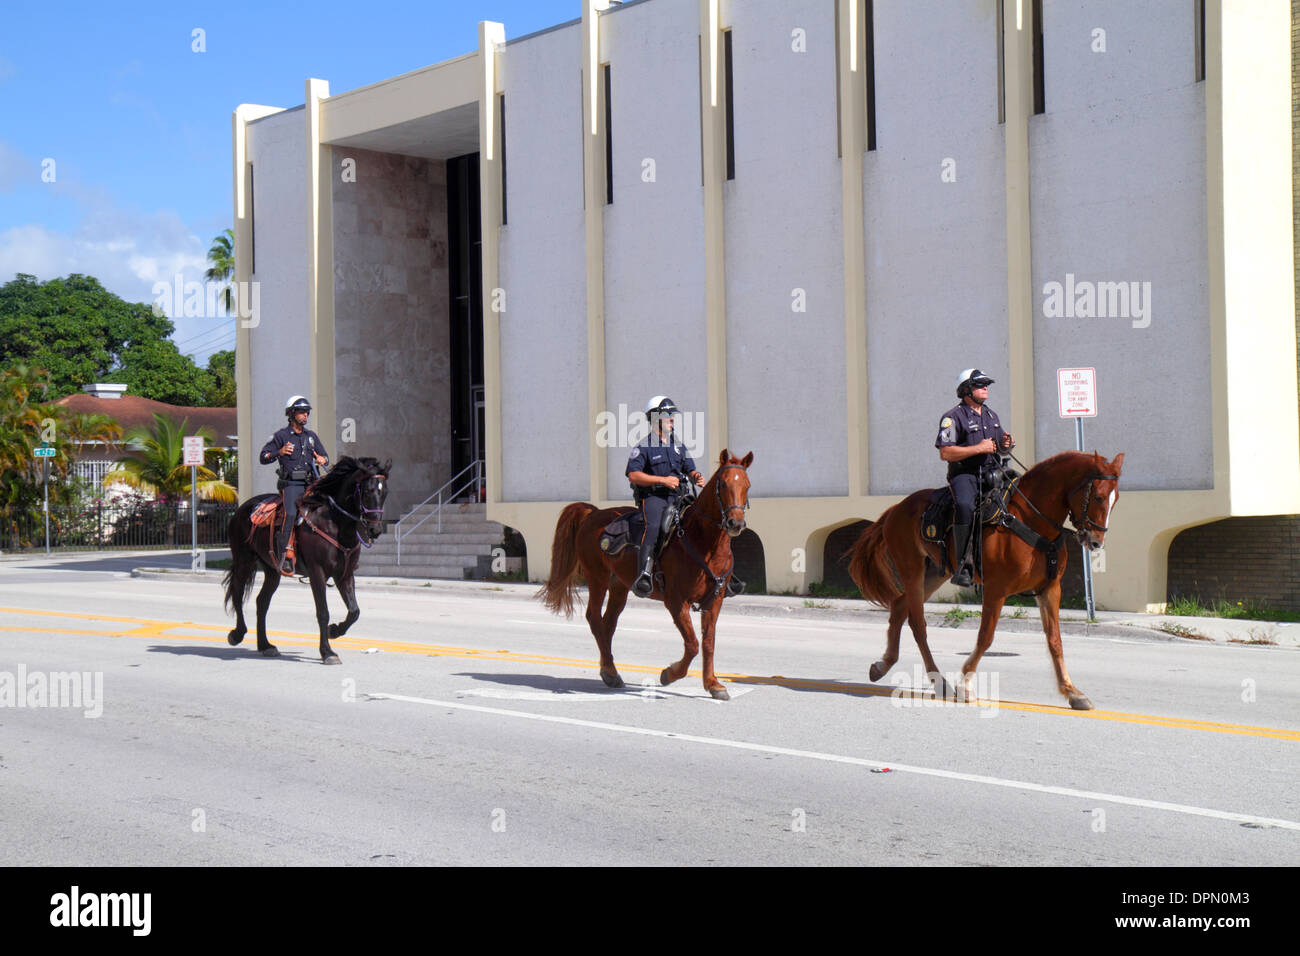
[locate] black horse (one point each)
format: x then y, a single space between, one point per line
340 512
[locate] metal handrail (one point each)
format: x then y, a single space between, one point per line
474 482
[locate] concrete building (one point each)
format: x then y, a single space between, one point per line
800 219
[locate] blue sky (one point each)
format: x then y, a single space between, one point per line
138 124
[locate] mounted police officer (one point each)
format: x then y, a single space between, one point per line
299 453
656 469
970 436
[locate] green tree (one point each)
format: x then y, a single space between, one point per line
222 269
80 333
221 369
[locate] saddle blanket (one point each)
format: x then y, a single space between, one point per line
264 513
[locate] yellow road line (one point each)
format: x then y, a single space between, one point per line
159 629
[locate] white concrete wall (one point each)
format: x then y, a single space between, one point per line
278 352
654 231
1118 194
785 368
544 416
936 251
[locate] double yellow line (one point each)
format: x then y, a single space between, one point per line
143 627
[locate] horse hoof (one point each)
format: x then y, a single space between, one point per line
878 670
719 693
611 678
269 651
1080 702
665 678
332 659
233 638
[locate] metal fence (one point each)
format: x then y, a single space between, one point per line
102 526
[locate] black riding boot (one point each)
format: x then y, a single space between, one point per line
281 545
964 576
644 582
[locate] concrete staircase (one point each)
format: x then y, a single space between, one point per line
466 536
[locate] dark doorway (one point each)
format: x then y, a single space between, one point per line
465 268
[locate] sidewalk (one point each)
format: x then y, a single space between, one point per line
1159 627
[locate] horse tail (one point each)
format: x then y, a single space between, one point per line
238 580
872 567
561 589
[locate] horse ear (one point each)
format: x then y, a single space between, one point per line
724 457
1118 463
388 466
747 460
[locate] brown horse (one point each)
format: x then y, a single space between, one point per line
895 568
696 565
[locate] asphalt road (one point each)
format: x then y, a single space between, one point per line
471 727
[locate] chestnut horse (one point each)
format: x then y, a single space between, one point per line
895 568
696 565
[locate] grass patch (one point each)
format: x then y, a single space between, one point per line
956 615
1181 630
820 589
222 564
824 605
1248 609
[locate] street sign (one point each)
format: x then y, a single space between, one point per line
193 454
1076 390
44 452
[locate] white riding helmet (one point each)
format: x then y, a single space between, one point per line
972 377
662 405
296 403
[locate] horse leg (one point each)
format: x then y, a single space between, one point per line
603 632
270 581
897 615
915 597
690 646
709 624
989 615
1049 609
347 590
317 577
238 584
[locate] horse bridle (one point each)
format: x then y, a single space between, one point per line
364 516
721 523
1081 527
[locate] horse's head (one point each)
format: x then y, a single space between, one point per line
732 479
1092 501
372 490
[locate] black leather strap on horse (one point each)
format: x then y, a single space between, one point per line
718 582
1052 548
306 519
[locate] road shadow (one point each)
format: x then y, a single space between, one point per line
556 685
230 653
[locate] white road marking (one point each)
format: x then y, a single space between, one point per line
862 762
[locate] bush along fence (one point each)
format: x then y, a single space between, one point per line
104 525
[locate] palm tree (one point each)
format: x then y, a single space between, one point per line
222 257
158 470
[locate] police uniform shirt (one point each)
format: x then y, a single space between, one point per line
661 459
305 447
964 426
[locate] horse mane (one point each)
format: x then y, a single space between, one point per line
337 478
1060 458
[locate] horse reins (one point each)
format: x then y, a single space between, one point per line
1081 526
358 518
719 581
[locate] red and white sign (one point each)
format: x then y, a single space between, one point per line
193 450
1076 388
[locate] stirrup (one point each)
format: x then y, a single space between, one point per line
644 584
288 564
964 576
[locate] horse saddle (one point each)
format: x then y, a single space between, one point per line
269 512
625 530
936 520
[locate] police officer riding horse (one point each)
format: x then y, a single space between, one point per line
299 454
970 438
658 470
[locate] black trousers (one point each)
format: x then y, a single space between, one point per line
293 491
965 491
652 510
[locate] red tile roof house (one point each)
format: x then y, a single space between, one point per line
95 459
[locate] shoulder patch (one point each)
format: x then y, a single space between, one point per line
946 423
634 453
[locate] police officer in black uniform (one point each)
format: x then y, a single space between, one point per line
656 469
969 438
299 452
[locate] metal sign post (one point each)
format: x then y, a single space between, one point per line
45 452
1076 390
193 446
